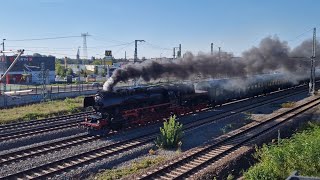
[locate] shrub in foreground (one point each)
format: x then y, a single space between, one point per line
301 153
170 134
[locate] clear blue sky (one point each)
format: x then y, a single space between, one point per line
233 25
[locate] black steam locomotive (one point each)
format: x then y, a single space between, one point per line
141 105
130 107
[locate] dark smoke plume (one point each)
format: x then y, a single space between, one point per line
271 55
181 68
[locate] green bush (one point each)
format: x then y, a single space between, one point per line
230 177
277 161
170 134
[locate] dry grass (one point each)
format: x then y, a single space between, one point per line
135 167
288 105
42 110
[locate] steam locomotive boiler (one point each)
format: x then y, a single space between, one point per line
131 107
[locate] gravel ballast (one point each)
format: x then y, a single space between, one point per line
192 139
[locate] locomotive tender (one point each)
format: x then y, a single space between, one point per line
129 107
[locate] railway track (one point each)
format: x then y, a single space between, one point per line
31 123
62 165
75 141
23 129
192 162
34 127
45 148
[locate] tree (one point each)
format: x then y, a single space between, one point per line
36 55
69 71
60 70
81 71
60 61
96 62
170 134
103 73
96 71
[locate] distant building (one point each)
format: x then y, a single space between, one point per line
27 70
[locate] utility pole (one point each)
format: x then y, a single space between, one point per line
135 59
5 79
43 75
85 52
174 52
136 50
78 66
312 71
65 63
125 55
20 52
104 65
211 49
219 54
179 52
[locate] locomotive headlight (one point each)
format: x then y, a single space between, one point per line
98 100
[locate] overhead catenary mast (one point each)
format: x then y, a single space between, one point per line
136 50
174 52
313 71
84 47
135 59
219 54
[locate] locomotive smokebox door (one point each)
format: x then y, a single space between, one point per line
88 101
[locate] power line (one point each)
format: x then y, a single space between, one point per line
123 47
157 46
118 45
49 53
109 40
40 39
41 47
66 48
300 35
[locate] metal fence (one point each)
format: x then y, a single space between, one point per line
22 90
